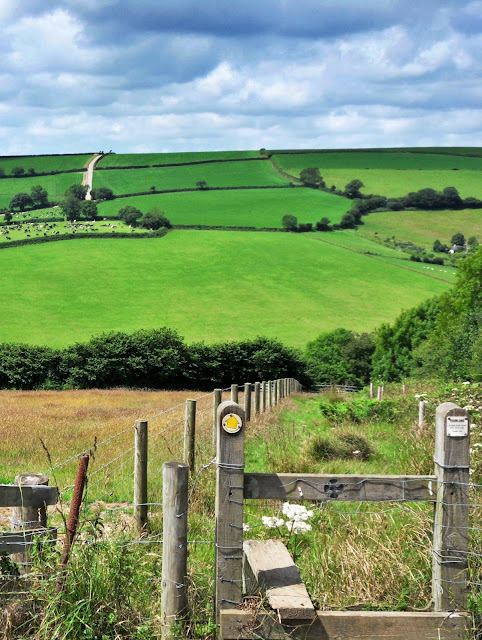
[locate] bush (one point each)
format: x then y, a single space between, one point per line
345 446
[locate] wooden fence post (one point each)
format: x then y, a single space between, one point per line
275 392
229 506
451 518
247 401
379 393
371 390
421 414
190 434
218 398
270 394
234 393
174 550
28 518
263 396
140 475
257 392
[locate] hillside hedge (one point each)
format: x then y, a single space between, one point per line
154 359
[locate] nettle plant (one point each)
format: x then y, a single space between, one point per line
295 522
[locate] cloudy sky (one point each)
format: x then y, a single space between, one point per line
181 75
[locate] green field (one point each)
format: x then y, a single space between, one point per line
223 174
246 208
423 227
378 160
44 164
209 285
139 159
55 185
42 229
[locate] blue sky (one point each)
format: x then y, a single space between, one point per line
185 75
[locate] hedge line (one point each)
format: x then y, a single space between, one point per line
154 359
43 173
178 164
188 189
73 236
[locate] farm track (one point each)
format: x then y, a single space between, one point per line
379 258
88 177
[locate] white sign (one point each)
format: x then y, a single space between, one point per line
457 426
232 423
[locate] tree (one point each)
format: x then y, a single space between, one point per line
88 209
155 219
31 171
352 189
202 184
21 200
289 222
71 207
17 171
78 191
130 215
439 247
311 176
40 197
102 193
340 357
458 239
452 198
2 173
7 216
323 225
348 221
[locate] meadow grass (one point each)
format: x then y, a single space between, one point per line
43 164
394 183
136 159
422 227
286 286
378 160
230 174
39 230
55 185
244 208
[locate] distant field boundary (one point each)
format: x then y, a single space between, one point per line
39 174
189 189
180 164
75 236
48 155
426 151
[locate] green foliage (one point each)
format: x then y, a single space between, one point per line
89 209
359 409
323 225
24 366
352 189
458 239
21 200
78 191
130 215
311 176
289 222
102 193
344 446
71 206
17 171
340 357
155 219
40 196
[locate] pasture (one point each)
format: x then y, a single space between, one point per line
240 208
139 159
55 184
25 229
422 227
44 164
223 174
287 287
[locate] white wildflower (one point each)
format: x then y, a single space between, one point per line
298 526
356 452
246 527
272 522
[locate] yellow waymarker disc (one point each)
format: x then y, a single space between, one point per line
232 423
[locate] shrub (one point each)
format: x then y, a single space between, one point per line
346 446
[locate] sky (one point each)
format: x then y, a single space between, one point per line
132 76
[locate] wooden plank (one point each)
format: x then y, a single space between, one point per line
451 517
27 496
345 488
229 506
346 625
276 574
16 542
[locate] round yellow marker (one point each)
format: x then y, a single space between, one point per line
232 423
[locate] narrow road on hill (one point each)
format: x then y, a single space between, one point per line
89 174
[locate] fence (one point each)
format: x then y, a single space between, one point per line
448 489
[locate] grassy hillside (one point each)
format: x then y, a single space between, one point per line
222 174
44 164
55 185
139 159
286 286
422 227
249 208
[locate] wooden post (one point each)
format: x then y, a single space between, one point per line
28 518
247 401
140 475
174 550
275 392
379 393
218 398
451 518
229 506
270 394
263 396
190 434
421 414
383 391
234 393
257 392
403 388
